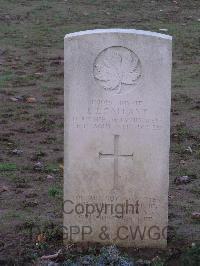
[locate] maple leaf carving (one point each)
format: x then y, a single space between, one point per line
116 66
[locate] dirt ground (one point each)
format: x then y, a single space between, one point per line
31 117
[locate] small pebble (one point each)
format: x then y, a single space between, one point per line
182 180
38 166
163 30
196 215
14 99
3 189
17 152
31 100
189 149
50 177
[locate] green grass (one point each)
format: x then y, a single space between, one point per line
181 132
5 79
177 148
158 262
186 77
12 214
52 168
198 154
195 190
185 171
19 179
8 167
55 191
191 257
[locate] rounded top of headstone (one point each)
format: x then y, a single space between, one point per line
123 31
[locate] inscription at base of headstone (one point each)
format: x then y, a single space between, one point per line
117 132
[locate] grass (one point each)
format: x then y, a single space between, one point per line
187 77
55 192
159 262
52 168
184 171
181 132
19 179
6 78
8 167
195 190
10 215
177 148
191 256
198 154
45 123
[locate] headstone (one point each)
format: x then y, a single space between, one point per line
117 136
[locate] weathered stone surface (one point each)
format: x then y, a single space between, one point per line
117 123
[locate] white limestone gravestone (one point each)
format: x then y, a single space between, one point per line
117 131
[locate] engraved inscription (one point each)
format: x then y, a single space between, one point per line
115 156
104 114
117 69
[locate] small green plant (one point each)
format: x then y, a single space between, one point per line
45 87
183 171
46 124
191 257
6 78
109 255
10 215
182 132
54 233
158 262
195 190
177 148
8 167
18 179
198 154
52 168
54 192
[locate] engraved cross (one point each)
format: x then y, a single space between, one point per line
115 156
